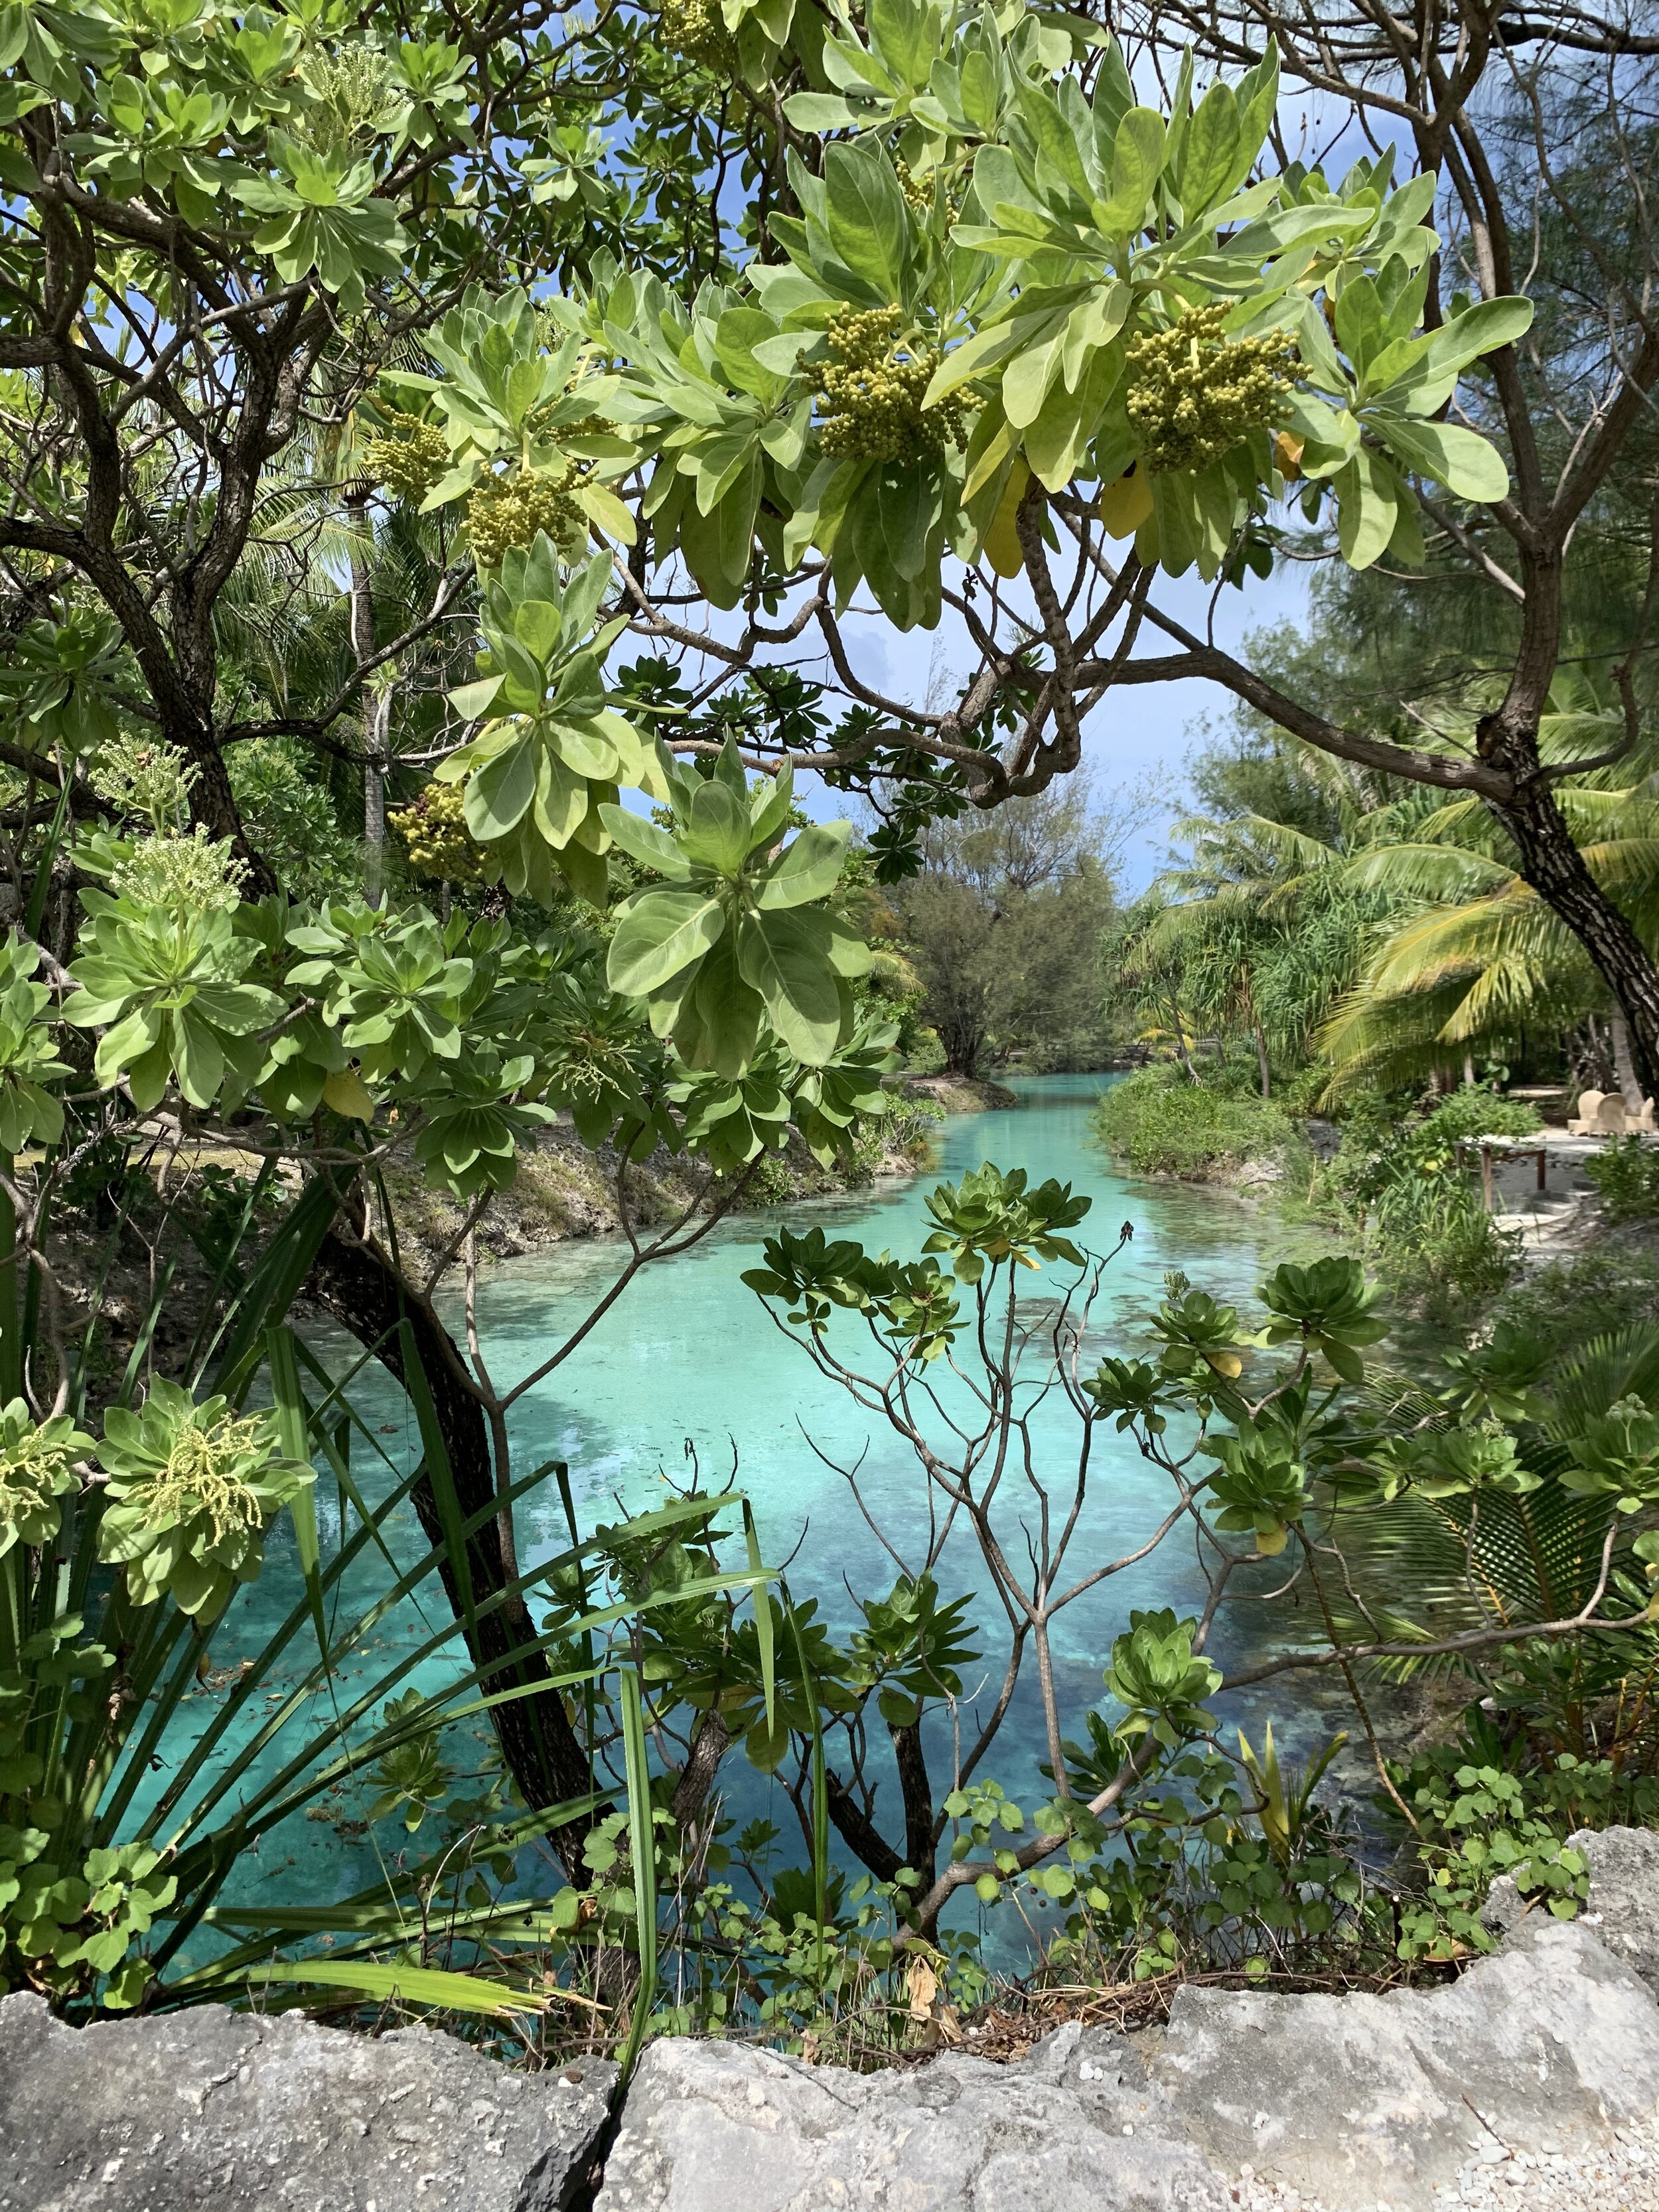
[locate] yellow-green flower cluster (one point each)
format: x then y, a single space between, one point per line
142 776
410 462
37 1466
436 838
192 1489
183 873
697 29
873 388
509 510
918 191
1193 394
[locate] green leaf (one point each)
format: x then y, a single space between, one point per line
1366 509
1137 160
867 218
1466 462
499 795
808 869
425 1985
644 841
715 828
660 933
786 957
1209 153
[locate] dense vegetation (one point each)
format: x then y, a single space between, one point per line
445 452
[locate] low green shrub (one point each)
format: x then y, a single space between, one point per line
1569 1303
1399 1184
1626 1174
1164 1123
1486 1807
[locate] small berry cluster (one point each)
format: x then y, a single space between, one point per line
1195 394
412 462
873 391
436 838
697 29
509 510
918 191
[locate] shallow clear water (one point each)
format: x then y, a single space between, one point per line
689 1363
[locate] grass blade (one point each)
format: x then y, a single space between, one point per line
642 1845
425 1985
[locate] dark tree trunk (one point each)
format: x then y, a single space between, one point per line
919 1838
1553 864
355 1281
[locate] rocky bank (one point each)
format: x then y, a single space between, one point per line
1531 2082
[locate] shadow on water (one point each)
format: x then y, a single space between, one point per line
688 1367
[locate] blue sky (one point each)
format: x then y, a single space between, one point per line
1141 732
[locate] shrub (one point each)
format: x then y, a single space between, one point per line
1626 1174
1163 1124
1399 1183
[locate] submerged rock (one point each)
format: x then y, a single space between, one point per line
240 2111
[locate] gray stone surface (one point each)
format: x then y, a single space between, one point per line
1624 1899
1546 2048
1076 2127
238 2110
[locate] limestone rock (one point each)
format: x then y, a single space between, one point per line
1075 2127
1624 1899
240 2111
1545 2048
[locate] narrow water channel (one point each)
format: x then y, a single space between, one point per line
688 1365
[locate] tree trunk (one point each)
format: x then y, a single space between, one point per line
919 1842
377 705
1623 1067
355 1281
1553 864
1262 1068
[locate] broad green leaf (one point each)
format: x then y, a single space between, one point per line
499 793
1466 462
1209 153
715 828
644 841
808 869
473 700
660 933
1365 510
1137 158
906 34
867 218
786 957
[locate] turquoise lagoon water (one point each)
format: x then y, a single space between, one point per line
688 1366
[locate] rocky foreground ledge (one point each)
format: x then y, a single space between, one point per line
1530 2083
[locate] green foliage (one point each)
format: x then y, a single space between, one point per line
166 986
37 1466
737 932
991 1216
1625 1172
1400 1182
1484 1809
1155 1675
192 1487
29 1061
1163 1124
